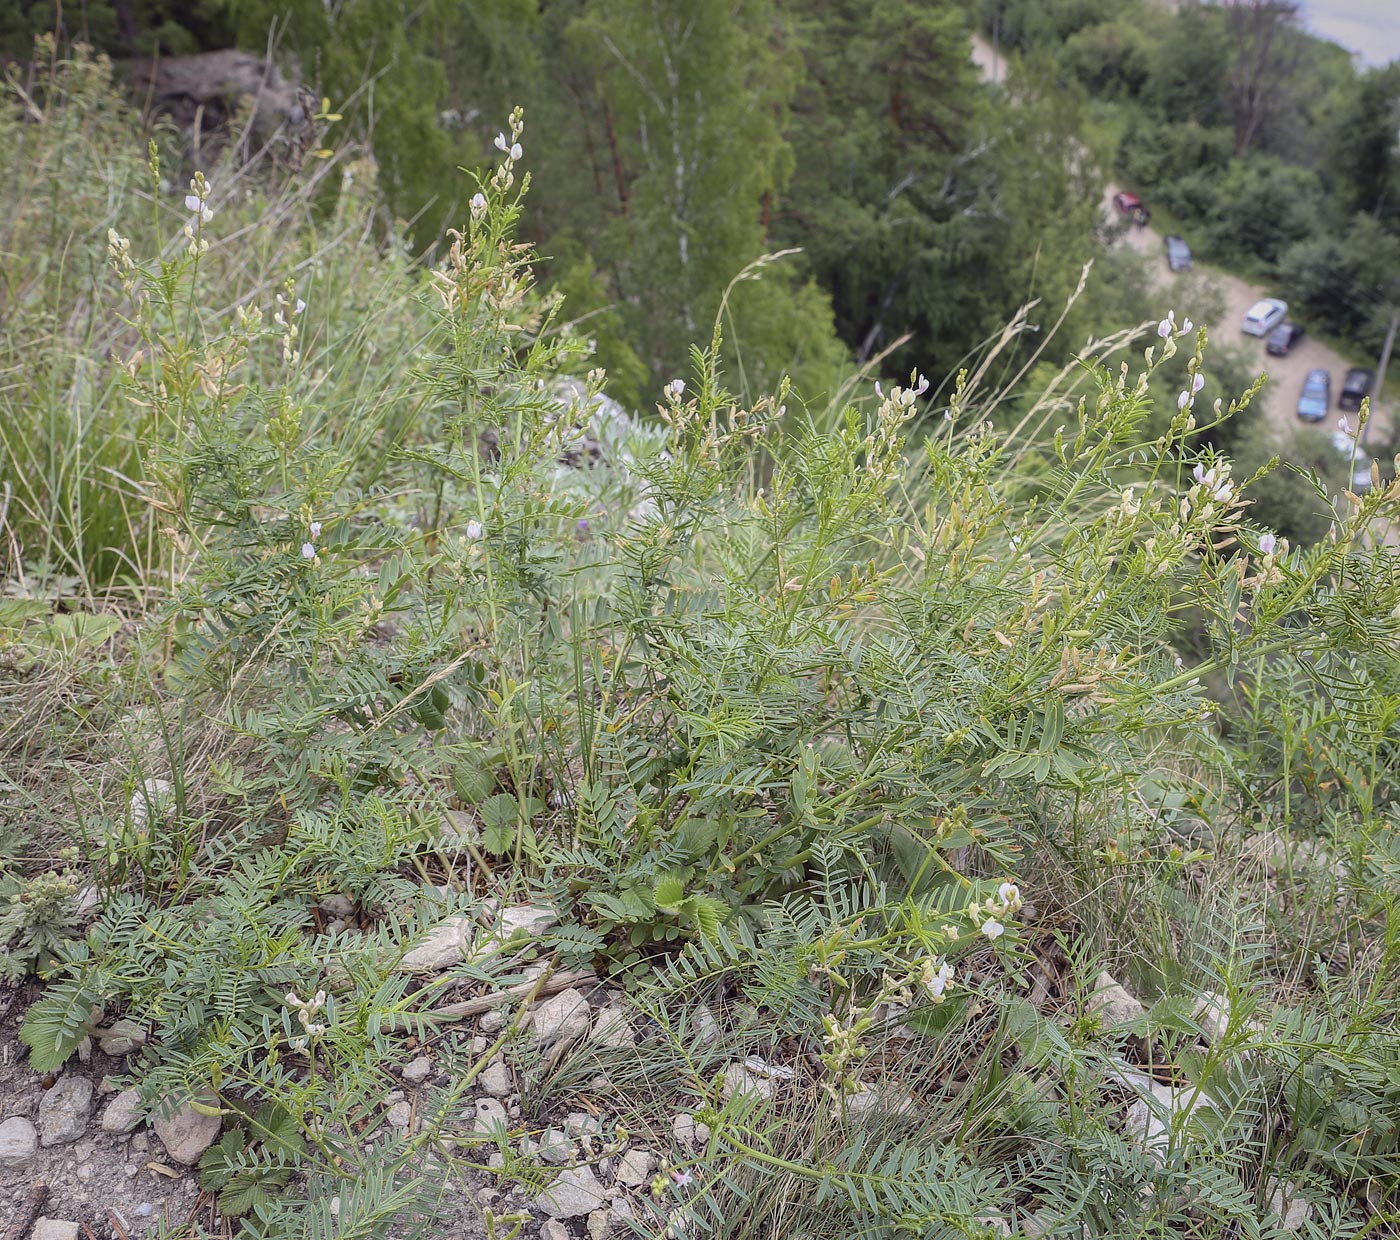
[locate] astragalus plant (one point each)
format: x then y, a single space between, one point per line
813 730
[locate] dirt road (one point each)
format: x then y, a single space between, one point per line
986 58
1285 374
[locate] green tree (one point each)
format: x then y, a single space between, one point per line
1254 211
1362 144
1152 152
1345 281
885 115
682 107
1189 68
928 205
120 28
1110 59
1026 24
385 64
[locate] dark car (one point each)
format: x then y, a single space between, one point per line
1178 254
1316 397
1356 388
1282 339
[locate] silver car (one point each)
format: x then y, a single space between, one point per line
1263 316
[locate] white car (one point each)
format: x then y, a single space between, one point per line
1263 316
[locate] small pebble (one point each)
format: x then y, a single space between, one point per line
581 1124
635 1167
496 1080
64 1110
491 1118
19 1141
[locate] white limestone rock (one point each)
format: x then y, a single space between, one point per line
64 1111
1112 1003
636 1167
612 1028
19 1141
496 1079
738 1080
491 1118
441 948
185 1132
123 1113
560 1018
574 1193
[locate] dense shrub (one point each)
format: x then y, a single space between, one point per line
1342 281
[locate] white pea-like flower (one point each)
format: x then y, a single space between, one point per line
1009 895
478 205
992 928
308 551
675 389
475 530
315 528
196 202
1267 544
935 977
1168 325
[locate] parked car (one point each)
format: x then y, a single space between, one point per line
1316 396
1263 316
1132 205
1355 388
1178 254
1282 339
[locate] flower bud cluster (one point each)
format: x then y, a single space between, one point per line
306 1009
197 203
990 912
289 307
1213 485
504 176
